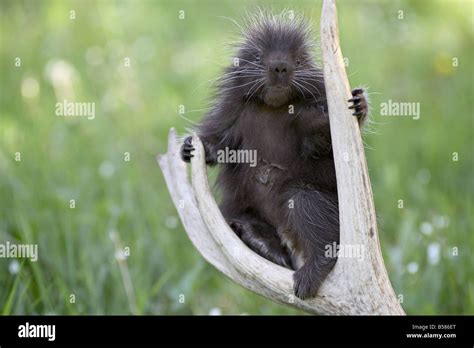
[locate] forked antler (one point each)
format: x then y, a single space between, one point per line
354 286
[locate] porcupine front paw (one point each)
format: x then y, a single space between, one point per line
186 150
359 104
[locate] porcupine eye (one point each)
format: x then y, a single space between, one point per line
257 59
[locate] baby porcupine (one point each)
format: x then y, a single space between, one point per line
285 208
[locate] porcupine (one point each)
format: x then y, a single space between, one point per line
285 208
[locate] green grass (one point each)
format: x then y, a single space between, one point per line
69 158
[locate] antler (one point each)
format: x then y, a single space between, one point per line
353 286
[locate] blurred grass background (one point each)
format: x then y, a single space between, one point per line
171 60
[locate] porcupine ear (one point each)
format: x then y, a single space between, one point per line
352 287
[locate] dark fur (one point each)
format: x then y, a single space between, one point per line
287 205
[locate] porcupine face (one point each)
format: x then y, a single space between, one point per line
275 64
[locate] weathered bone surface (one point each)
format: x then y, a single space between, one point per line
353 286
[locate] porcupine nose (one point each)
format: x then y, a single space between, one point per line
279 68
